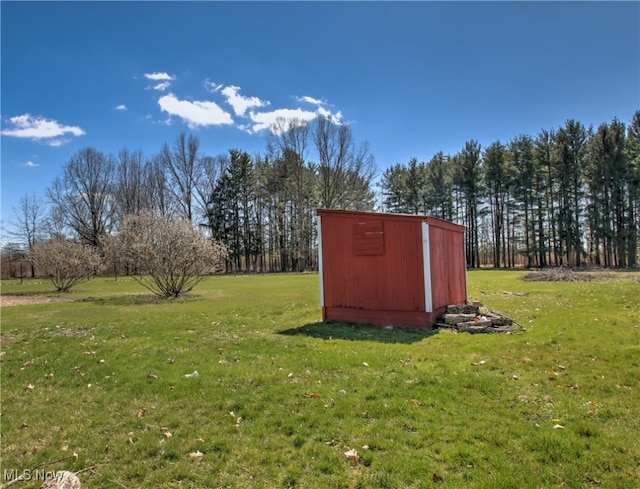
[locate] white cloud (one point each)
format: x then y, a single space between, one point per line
57 142
39 128
249 111
310 100
162 86
120 107
196 113
266 120
158 76
30 164
322 110
335 118
165 80
212 86
240 103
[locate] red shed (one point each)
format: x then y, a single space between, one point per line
389 269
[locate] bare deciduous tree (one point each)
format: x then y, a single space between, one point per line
28 222
288 135
345 172
211 169
174 254
65 262
181 167
84 194
157 195
287 145
55 225
130 182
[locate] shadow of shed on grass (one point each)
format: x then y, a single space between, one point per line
360 332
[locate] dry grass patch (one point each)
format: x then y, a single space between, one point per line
21 300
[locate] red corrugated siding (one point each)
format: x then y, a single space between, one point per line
406 319
392 281
448 266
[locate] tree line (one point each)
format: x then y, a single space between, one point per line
261 207
567 196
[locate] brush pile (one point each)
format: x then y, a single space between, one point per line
471 318
559 274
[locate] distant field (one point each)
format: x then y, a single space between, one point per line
93 381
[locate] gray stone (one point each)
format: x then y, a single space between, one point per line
458 318
62 480
473 327
463 309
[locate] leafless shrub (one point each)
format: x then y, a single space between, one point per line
65 262
169 253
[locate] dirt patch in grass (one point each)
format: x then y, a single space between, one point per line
68 332
21 300
5 339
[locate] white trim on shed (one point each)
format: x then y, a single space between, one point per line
426 264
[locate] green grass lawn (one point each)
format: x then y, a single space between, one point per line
96 383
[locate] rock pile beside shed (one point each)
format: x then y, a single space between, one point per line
473 318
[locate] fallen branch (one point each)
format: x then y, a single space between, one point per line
117 483
86 469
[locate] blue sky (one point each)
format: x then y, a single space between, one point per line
410 78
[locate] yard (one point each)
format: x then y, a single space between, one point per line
101 381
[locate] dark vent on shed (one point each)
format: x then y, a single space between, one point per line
368 238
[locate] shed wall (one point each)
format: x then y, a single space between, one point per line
448 267
390 281
372 267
